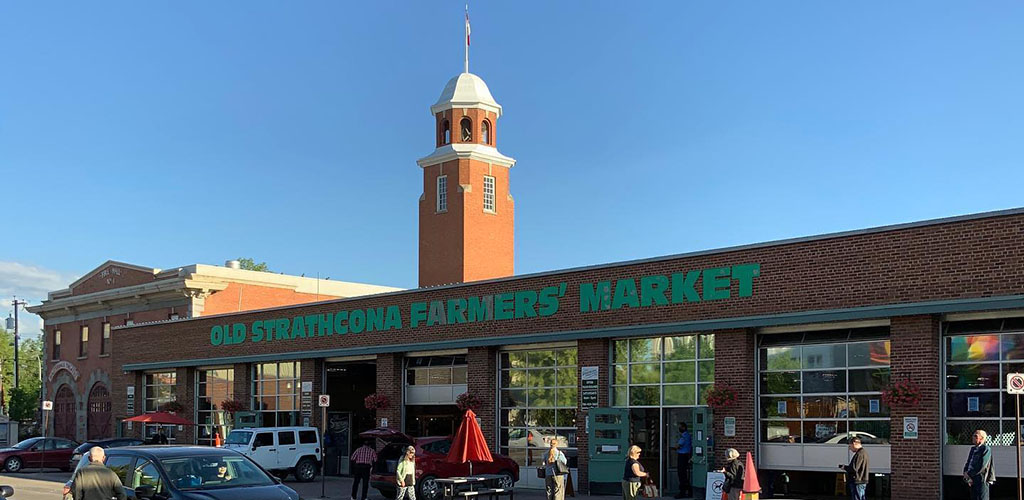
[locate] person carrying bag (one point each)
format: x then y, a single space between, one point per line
555 469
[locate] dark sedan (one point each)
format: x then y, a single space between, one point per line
192 473
38 452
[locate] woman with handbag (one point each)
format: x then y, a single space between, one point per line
733 474
555 469
405 474
633 474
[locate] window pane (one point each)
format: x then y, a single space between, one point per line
706 371
681 347
825 407
566 357
680 371
645 395
780 383
566 377
621 375
620 396
459 375
972 404
783 358
286 370
870 431
868 407
621 351
707 346
869 353
973 376
780 432
567 397
787 407
824 381
703 390
542 378
440 376
973 348
540 418
513 417
1013 346
961 431
517 378
648 373
825 431
684 395
541 358
645 349
566 418
869 380
541 397
517 359
824 356
513 398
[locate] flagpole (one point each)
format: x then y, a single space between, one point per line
467 37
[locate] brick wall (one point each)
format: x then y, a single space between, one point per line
916 470
590 352
480 381
389 383
186 395
734 367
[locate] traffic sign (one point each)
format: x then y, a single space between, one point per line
1015 383
47 405
325 401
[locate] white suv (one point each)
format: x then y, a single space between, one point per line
281 450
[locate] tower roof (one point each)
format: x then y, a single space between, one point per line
466 91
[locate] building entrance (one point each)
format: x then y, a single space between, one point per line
347 384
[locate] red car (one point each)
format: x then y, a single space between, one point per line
38 453
431 453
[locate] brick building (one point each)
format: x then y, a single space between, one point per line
78 322
807 332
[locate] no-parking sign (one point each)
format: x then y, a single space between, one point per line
1015 383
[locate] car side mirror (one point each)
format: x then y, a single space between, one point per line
253 448
277 480
145 492
6 491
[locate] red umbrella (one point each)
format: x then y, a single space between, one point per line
160 417
469 444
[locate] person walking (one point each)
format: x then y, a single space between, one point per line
857 470
633 474
362 463
406 475
95 481
684 452
978 471
733 471
555 469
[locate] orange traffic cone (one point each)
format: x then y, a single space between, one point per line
751 487
216 439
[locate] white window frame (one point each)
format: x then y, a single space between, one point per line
489 194
442 194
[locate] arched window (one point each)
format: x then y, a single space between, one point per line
467 130
485 131
446 133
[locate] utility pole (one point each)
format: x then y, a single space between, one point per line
16 303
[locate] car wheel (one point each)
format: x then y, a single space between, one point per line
506 481
305 470
13 464
428 489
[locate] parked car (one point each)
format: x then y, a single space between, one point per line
431 464
102 443
191 473
535 437
281 450
38 452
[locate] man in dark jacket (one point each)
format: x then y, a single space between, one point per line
857 470
978 471
95 481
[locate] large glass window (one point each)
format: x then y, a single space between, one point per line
539 398
213 387
824 393
976 368
663 371
276 392
160 390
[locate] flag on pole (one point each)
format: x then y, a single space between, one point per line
467 25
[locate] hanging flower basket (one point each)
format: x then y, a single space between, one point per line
721 397
903 393
376 402
467 401
172 407
232 405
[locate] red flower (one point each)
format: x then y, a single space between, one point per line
467 401
720 396
376 402
901 393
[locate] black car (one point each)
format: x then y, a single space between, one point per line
102 443
192 473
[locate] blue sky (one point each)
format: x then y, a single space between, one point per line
169 133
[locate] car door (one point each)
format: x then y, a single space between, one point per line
287 449
264 450
60 454
34 456
147 474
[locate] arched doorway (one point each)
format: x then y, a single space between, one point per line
64 413
99 413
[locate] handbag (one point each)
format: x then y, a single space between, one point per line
649 490
561 468
540 473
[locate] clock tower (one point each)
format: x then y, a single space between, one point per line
466 209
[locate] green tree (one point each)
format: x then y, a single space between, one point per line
23 403
29 364
251 265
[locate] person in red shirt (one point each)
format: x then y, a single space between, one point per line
362 463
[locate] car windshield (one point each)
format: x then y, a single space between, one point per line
211 472
84 447
238 437
28 443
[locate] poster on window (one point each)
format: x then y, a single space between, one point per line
873 406
972 404
822 431
782 408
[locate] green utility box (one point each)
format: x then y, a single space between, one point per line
703 446
607 445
